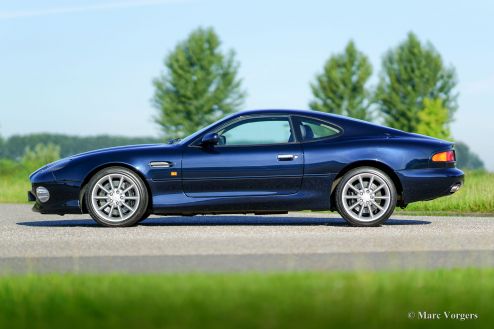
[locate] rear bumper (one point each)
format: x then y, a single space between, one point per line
428 184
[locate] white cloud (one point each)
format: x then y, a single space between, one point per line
5 15
480 87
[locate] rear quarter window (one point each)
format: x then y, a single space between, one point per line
311 129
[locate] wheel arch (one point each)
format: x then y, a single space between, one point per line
368 163
88 177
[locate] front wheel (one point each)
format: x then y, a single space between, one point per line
116 197
366 196
145 216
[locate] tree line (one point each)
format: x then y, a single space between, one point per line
16 146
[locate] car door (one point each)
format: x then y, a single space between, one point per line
256 156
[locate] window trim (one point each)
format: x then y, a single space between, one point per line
298 119
296 140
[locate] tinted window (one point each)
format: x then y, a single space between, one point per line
257 131
315 129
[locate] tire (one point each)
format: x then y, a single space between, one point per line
371 205
145 216
123 203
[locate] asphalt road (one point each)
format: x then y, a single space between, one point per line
30 242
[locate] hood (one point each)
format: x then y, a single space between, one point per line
120 149
110 151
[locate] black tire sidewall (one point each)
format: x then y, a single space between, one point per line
143 202
145 216
360 170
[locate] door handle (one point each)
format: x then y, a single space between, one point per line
287 157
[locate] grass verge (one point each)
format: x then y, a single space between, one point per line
14 181
291 300
13 189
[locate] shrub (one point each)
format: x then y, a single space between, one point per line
40 155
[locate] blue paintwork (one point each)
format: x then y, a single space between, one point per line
240 179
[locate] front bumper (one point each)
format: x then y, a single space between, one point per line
30 196
428 184
64 198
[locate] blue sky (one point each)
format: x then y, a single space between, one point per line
85 67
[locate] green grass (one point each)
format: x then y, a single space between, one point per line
13 189
303 300
14 181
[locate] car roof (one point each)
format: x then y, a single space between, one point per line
351 125
308 113
276 111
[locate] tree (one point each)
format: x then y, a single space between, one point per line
2 147
40 155
410 73
433 119
199 85
341 87
466 159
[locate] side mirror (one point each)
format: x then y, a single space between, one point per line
210 139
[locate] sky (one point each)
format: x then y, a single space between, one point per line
85 67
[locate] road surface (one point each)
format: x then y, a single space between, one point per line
30 242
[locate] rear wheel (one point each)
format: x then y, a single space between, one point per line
365 196
116 197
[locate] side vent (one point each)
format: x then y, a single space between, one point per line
160 164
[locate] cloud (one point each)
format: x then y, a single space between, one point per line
6 15
480 87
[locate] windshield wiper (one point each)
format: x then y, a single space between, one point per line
174 140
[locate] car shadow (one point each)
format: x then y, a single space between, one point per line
221 220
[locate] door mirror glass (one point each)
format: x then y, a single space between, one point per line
210 139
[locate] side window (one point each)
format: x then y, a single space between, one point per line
314 129
266 130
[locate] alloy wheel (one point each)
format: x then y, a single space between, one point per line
366 197
115 197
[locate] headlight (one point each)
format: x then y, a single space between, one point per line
42 194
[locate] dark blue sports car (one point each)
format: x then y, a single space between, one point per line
260 162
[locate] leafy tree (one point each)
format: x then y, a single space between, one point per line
199 85
411 73
433 119
341 87
466 159
2 146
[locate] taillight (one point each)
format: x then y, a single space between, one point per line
446 156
